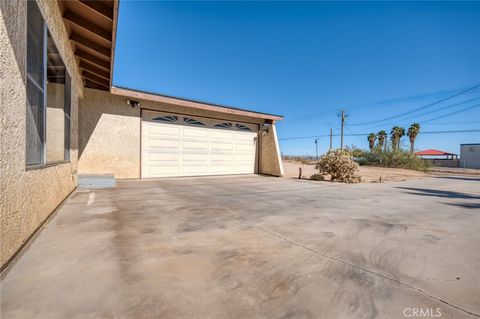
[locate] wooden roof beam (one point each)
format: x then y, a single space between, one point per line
56 67
90 67
90 44
95 78
99 7
90 58
87 25
94 85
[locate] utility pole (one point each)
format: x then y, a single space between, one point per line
344 119
316 147
331 135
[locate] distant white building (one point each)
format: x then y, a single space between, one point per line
470 155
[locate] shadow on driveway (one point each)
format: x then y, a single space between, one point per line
464 205
472 179
438 193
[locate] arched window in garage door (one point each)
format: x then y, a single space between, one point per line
224 125
166 118
242 127
191 121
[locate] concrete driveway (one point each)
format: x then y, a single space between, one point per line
255 247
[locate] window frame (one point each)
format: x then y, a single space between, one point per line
67 97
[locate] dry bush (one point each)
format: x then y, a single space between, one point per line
340 166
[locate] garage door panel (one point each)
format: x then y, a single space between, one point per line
184 147
221 157
245 138
195 169
221 169
163 129
221 134
195 132
163 157
242 158
189 158
215 146
166 170
163 144
195 145
245 144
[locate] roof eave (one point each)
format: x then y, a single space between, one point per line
192 104
114 38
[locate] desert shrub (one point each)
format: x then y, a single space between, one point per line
317 177
396 159
339 165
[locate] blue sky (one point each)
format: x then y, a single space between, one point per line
307 60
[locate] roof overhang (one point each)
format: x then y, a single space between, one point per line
433 153
148 96
91 27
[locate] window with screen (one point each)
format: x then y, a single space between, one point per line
48 95
35 85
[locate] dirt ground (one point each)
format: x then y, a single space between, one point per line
369 174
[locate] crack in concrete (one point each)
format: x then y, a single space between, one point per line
356 266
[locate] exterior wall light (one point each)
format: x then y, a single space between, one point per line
133 103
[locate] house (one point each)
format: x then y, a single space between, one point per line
470 155
62 117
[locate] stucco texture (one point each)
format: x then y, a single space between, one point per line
270 157
28 197
110 134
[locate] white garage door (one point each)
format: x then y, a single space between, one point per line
183 145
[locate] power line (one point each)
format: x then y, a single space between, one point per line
420 108
403 99
452 113
365 134
441 109
331 109
357 137
457 123
426 113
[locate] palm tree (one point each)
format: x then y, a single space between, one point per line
371 141
395 135
382 135
412 134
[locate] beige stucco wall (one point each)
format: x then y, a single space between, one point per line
109 133
27 197
270 157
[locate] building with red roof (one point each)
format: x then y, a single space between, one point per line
432 152
438 158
